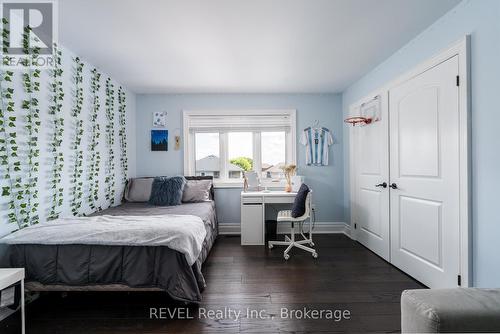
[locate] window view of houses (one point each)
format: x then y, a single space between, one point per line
210 166
240 150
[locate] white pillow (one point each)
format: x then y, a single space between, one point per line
139 190
197 191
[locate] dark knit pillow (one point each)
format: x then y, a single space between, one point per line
299 205
167 191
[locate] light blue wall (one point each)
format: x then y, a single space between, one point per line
327 182
480 19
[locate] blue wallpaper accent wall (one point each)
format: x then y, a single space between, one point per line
480 19
327 182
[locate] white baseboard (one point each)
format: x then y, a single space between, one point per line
229 229
319 228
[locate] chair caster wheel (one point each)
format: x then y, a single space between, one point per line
311 244
270 246
315 255
286 256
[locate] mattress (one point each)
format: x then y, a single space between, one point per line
145 267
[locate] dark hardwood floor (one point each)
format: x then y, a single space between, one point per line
346 276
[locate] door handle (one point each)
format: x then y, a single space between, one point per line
394 186
383 185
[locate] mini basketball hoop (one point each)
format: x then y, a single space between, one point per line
358 120
369 112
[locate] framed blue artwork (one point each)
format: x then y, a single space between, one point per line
159 140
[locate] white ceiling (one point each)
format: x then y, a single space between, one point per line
244 46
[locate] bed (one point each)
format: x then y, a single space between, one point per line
100 267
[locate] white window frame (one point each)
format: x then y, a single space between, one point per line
189 143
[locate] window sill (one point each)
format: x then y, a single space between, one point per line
223 185
239 185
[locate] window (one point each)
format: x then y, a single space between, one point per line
240 153
207 152
227 144
273 150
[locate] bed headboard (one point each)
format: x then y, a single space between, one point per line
211 178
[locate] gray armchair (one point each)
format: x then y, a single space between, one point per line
450 310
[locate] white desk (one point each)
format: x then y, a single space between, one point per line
9 276
253 213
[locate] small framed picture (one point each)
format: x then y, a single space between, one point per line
159 119
159 140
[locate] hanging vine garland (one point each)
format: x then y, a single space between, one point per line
76 174
30 105
9 158
55 110
110 141
93 177
123 134
9 154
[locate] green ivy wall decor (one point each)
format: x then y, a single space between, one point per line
21 139
55 111
76 187
95 160
122 132
9 148
9 158
31 84
110 142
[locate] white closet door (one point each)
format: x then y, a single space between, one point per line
372 169
424 164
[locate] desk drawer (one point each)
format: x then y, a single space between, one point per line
251 200
283 199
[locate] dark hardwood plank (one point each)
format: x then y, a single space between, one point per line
346 276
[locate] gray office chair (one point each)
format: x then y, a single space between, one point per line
286 216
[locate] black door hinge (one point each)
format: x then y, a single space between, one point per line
458 80
459 280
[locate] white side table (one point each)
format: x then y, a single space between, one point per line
9 276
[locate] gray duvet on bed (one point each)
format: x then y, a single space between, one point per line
134 266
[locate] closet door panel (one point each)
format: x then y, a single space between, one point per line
421 229
371 169
418 128
424 165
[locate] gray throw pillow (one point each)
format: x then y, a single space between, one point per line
197 191
138 190
167 191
